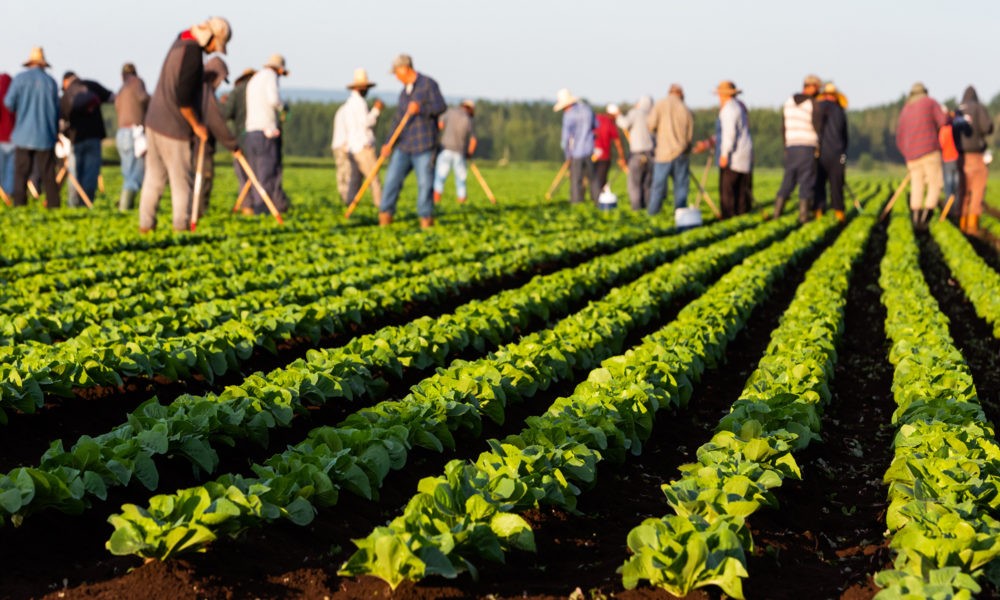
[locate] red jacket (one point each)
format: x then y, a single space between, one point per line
605 132
6 117
946 137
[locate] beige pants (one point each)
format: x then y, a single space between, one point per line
366 162
974 175
926 181
166 159
342 161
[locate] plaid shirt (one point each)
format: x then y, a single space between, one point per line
420 133
917 130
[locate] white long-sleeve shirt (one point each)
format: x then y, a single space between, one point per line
263 101
358 122
339 141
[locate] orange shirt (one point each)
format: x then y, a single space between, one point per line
949 153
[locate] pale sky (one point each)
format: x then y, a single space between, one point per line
519 49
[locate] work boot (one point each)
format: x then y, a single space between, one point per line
963 223
384 219
779 205
803 212
840 216
426 222
127 199
972 225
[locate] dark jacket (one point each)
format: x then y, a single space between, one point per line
179 86
218 131
80 108
972 123
831 121
235 108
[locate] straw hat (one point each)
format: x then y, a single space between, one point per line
360 80
277 62
468 103
37 58
214 27
564 99
728 88
812 80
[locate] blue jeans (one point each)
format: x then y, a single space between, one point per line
446 161
950 171
85 165
400 166
677 170
133 168
7 167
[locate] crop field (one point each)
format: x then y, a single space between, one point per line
526 400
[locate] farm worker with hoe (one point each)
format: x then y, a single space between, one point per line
359 122
265 109
414 151
234 108
130 104
673 124
33 97
640 147
80 108
458 141
800 130
970 135
734 151
605 132
6 146
831 121
173 121
917 139
577 141
216 72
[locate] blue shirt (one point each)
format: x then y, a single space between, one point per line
34 98
420 133
578 131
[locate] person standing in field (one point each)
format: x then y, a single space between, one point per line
265 111
458 141
80 108
734 151
359 122
917 139
949 168
831 123
33 97
801 137
971 132
216 73
234 109
348 175
6 146
414 151
673 125
173 121
605 132
577 141
640 147
130 105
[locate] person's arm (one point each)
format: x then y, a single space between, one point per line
819 118
653 120
373 114
727 130
216 123
434 104
472 145
188 84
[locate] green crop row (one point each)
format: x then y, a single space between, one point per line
778 412
471 512
358 454
944 476
980 282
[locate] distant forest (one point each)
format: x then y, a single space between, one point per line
529 131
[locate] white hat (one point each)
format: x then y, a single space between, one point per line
564 99
612 109
360 80
277 61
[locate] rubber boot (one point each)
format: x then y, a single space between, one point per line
779 205
963 223
915 217
384 219
803 212
840 216
127 199
426 222
972 225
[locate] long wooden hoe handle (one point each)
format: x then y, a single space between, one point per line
557 180
79 190
482 182
947 207
705 196
895 196
242 196
378 165
199 183
5 197
260 189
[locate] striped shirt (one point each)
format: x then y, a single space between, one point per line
917 129
798 123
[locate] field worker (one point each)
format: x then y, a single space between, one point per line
216 73
33 97
359 122
970 135
6 146
234 109
605 132
348 175
831 121
734 150
917 140
173 121
414 151
672 123
80 108
577 141
801 137
950 169
640 147
265 111
130 105
458 141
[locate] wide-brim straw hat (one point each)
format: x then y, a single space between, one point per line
728 87
361 81
37 57
564 99
277 61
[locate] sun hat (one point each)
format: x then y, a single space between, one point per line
613 109
214 27
563 99
469 103
728 87
37 57
277 61
360 80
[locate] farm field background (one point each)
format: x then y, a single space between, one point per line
309 376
